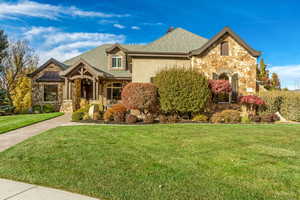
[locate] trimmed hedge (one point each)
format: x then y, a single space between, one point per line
182 90
285 102
48 108
200 118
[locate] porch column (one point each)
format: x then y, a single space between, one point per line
70 90
97 90
230 94
94 89
66 89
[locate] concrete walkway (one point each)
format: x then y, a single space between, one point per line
12 190
14 137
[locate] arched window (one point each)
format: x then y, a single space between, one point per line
113 91
224 49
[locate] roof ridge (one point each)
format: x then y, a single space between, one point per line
172 32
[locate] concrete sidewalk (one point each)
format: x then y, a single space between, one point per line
14 137
12 190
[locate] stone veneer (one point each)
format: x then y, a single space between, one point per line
38 88
238 61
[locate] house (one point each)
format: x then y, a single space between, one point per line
98 75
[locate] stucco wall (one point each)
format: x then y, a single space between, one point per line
239 61
145 68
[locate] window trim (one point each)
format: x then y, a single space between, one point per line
111 86
112 62
57 88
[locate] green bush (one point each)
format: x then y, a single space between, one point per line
36 109
245 120
200 118
48 108
182 90
77 116
286 102
226 116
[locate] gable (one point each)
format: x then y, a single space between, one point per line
226 32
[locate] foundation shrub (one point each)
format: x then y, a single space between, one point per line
119 117
77 116
110 115
37 109
163 118
131 119
140 96
269 118
182 90
48 108
226 116
200 118
149 118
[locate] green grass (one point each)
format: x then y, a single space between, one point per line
9 123
162 162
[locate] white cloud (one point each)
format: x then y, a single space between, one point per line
48 11
107 21
55 43
289 75
135 28
38 30
119 26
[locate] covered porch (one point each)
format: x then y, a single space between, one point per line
83 81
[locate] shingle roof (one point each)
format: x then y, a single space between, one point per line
178 40
50 76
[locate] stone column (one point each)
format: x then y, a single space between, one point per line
66 89
70 90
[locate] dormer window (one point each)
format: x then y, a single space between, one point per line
116 62
224 49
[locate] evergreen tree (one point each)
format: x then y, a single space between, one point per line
264 73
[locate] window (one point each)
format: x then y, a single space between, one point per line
113 91
50 93
116 62
224 49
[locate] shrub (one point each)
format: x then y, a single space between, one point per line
220 86
149 118
286 102
273 101
226 116
140 96
163 118
173 118
254 118
131 119
77 116
48 108
108 115
200 118
245 119
269 118
119 117
182 90
37 109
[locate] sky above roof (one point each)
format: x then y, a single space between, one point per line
63 29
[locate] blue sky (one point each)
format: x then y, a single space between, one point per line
62 29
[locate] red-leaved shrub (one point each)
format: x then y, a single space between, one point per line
251 100
220 86
140 96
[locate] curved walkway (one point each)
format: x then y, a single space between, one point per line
14 137
13 190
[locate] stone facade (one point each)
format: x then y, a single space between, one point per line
38 88
239 61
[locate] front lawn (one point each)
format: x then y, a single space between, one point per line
166 162
12 122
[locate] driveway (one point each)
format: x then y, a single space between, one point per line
14 137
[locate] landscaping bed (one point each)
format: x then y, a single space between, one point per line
12 122
182 161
